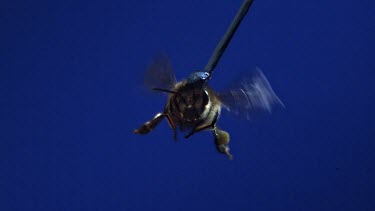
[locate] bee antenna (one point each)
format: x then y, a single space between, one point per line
164 90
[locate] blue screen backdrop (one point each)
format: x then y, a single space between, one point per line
71 92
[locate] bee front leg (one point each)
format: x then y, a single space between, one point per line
222 141
150 125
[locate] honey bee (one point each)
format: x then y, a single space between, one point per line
193 106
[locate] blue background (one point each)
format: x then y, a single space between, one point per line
71 93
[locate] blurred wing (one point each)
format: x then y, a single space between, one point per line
160 73
250 96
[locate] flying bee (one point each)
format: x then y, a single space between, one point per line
192 106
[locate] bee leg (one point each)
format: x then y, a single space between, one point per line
150 125
198 129
195 130
222 141
171 124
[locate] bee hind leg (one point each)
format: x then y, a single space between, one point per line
173 126
200 128
150 125
222 141
195 130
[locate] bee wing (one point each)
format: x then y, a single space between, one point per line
160 73
251 96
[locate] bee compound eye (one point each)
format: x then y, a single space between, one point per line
181 107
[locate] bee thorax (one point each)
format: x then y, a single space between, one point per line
189 107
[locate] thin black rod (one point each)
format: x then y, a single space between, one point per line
164 90
222 45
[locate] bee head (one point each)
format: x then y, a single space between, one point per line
198 79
